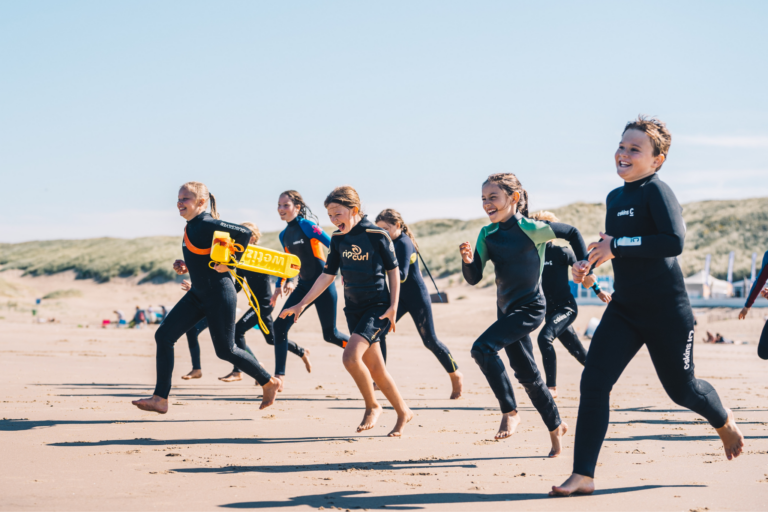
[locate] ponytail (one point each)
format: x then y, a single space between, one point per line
214 211
509 183
394 218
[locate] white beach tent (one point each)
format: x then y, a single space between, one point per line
701 286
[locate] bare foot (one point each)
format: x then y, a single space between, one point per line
457 383
369 418
154 404
281 378
269 392
232 377
553 391
306 360
730 435
194 374
400 425
556 436
509 423
576 484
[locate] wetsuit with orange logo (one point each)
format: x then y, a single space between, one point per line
307 240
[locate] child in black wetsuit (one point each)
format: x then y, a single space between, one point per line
757 289
515 244
644 234
414 297
366 257
212 295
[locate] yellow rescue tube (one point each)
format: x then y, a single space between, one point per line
255 258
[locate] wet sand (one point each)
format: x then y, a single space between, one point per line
71 440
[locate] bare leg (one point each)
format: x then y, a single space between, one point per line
307 362
509 423
269 392
154 404
730 435
553 391
353 362
194 374
457 384
576 484
556 436
232 377
375 363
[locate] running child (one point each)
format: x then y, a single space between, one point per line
366 257
212 295
561 306
758 289
515 244
414 297
305 239
644 234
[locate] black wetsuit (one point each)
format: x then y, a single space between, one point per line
516 248
364 256
762 277
650 307
305 239
561 311
414 299
212 295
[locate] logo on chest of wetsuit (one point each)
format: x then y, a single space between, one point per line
548 263
299 241
687 353
630 212
355 254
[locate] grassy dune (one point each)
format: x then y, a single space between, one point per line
714 227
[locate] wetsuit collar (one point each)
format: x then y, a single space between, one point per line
512 221
295 221
639 183
202 216
360 226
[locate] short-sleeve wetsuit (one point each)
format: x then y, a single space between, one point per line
306 239
650 307
762 277
414 299
212 295
364 255
561 311
516 248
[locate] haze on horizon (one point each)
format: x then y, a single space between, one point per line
107 107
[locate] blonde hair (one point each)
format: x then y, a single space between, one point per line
393 217
254 230
656 130
544 215
201 192
509 183
346 196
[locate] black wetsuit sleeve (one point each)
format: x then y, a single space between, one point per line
386 250
572 235
569 258
762 277
473 272
667 216
333 261
403 251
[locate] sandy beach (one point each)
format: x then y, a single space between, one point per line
71 440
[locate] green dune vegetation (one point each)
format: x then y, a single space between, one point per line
714 227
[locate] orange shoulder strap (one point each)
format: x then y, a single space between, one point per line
192 248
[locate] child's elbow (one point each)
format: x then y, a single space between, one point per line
678 243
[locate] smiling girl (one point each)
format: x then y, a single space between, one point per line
515 244
212 295
644 235
366 257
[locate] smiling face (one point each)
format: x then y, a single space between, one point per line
394 230
342 217
499 206
287 209
189 205
634 158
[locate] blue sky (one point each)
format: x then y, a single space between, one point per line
107 107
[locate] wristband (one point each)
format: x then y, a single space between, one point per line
596 288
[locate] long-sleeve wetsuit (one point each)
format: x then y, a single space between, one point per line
516 248
414 299
650 307
561 311
762 277
306 239
212 295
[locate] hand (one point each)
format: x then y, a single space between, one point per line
273 299
221 268
295 311
467 255
579 270
764 293
180 267
186 285
589 281
604 296
600 252
743 313
390 313
288 287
